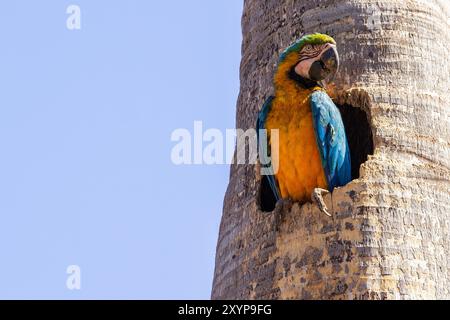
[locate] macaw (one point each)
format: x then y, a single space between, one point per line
312 154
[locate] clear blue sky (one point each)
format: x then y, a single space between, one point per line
85 122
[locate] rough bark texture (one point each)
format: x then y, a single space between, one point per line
389 237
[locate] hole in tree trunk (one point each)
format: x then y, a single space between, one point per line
267 200
360 141
359 135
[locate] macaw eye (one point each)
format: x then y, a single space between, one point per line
308 47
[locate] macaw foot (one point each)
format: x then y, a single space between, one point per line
317 198
283 205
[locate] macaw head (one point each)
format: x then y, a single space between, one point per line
312 58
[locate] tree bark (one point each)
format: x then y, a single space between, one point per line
389 237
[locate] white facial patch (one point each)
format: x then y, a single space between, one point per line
302 68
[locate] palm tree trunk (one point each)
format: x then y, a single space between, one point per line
389 237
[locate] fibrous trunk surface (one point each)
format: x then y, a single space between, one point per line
389 237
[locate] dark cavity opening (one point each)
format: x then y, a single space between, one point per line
359 135
267 200
360 141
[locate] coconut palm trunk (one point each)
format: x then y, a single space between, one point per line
389 237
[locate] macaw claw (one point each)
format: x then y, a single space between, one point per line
284 205
317 198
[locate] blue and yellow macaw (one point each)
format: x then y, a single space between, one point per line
313 156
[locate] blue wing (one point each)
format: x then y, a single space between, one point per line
331 140
264 146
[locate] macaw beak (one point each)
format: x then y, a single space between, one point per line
326 66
